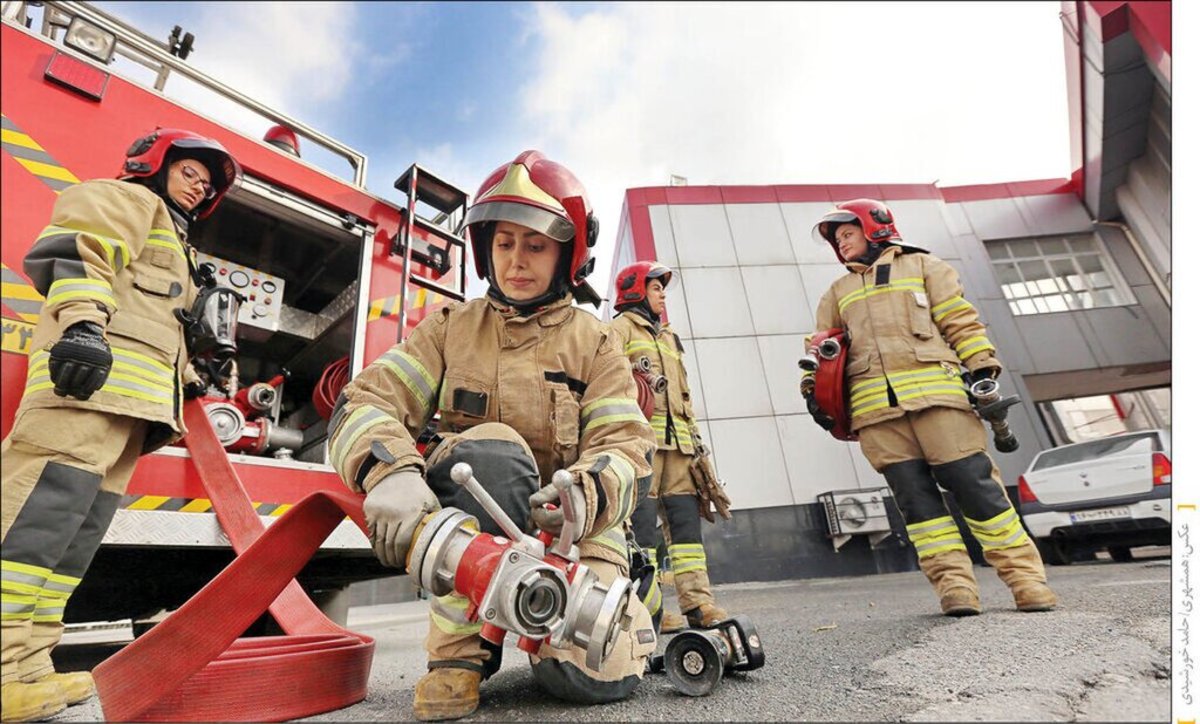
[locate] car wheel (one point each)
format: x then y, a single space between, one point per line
1120 554
1054 551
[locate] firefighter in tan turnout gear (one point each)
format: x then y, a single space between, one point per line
525 384
678 495
910 330
106 377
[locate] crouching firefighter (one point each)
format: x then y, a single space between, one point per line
685 486
910 330
524 384
105 384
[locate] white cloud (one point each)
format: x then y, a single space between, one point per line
797 93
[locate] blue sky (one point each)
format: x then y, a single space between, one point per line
627 94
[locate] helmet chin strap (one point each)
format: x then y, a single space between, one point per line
559 288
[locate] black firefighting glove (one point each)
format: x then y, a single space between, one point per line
80 361
194 389
985 373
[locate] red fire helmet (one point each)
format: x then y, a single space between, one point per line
543 195
630 284
876 219
147 154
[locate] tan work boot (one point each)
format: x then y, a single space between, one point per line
953 580
76 686
1021 569
671 623
447 693
960 601
1033 596
705 615
30 702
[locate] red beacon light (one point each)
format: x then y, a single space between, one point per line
284 139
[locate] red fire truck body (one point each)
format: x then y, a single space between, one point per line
335 272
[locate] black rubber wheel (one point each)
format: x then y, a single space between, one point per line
1120 554
694 664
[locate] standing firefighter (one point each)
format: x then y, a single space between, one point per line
684 487
105 385
525 384
910 330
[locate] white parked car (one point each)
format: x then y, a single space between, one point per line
1113 493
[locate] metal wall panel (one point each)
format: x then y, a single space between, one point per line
1054 214
799 219
1123 336
1003 332
779 356
1055 342
815 461
922 224
975 273
664 235
817 279
677 304
776 297
695 381
759 234
752 463
716 302
996 219
702 237
732 374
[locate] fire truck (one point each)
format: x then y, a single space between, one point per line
332 276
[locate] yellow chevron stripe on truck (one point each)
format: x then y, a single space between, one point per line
33 157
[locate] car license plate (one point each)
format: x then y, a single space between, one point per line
1085 516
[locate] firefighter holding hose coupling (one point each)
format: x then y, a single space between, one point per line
910 331
524 384
106 381
684 487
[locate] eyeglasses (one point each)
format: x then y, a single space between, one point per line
193 177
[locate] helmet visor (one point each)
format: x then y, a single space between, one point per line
822 232
540 220
663 274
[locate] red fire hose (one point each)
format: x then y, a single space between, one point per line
193 666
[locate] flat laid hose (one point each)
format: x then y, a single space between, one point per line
193 667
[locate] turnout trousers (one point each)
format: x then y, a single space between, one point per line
64 472
673 500
948 447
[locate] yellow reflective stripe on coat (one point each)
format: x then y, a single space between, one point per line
97 290
951 305
908 284
623 471
449 614
116 250
127 379
639 345
872 394
687 557
355 426
652 599
972 346
1001 531
413 375
611 538
937 535
608 410
166 239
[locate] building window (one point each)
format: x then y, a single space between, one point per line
1057 274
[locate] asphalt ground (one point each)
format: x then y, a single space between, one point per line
870 648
